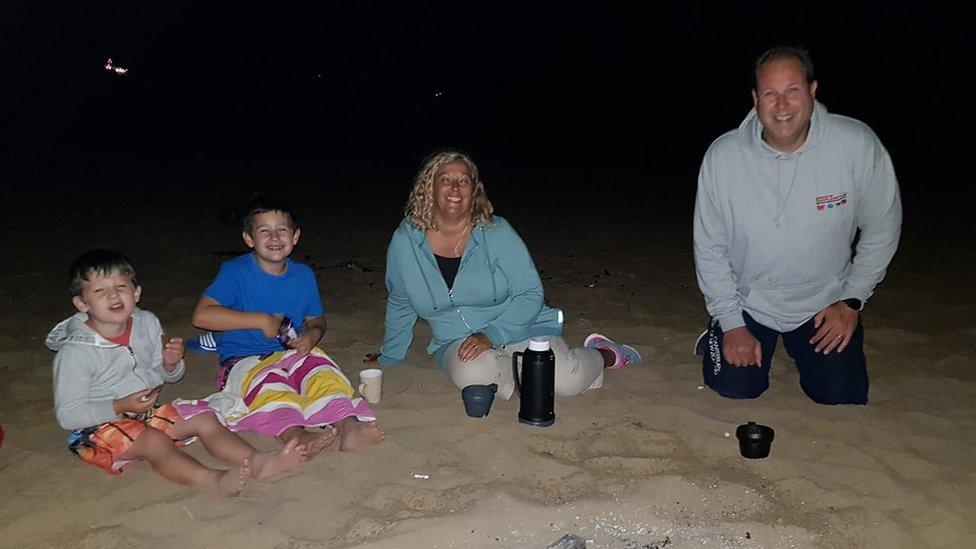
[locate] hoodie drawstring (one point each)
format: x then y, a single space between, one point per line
491 272
781 204
430 291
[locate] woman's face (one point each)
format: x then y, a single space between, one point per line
453 188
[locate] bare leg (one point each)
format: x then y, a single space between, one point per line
230 448
312 442
355 435
173 465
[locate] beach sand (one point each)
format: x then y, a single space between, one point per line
649 460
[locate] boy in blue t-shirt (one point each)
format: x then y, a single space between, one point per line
251 296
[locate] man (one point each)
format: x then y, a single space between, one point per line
780 202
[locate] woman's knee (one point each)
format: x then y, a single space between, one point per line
576 369
481 370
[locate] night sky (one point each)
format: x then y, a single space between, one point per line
347 92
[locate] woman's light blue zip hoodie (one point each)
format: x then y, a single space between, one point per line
497 292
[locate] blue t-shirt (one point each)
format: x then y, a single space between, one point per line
242 285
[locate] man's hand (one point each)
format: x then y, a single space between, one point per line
741 349
836 325
173 351
472 346
136 403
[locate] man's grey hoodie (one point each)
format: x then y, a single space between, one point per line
773 232
90 372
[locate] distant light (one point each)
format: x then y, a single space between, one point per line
438 93
109 66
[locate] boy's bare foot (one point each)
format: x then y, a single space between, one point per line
313 441
231 482
316 441
320 441
356 435
267 464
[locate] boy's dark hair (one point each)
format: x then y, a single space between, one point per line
800 55
264 203
103 262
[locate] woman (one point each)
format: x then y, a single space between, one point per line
469 275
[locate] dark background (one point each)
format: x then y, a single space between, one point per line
350 96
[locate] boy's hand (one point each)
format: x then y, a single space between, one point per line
303 343
269 325
136 403
173 351
312 332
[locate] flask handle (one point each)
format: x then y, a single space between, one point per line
515 372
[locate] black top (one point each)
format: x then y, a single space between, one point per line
449 268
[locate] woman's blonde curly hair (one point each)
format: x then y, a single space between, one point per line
420 205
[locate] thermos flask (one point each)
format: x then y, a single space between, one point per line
537 384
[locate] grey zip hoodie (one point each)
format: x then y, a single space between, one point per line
90 372
773 231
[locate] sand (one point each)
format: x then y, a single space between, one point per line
650 460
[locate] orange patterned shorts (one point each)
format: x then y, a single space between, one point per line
102 445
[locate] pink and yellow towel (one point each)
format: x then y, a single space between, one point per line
267 395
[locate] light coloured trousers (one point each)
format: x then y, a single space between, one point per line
577 369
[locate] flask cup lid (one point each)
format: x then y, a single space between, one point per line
539 344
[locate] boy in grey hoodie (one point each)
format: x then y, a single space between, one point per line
779 203
110 366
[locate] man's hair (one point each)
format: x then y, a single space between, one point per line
264 203
798 54
102 262
420 205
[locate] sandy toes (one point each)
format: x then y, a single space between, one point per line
356 435
316 441
231 482
267 464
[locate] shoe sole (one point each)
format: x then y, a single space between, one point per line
591 337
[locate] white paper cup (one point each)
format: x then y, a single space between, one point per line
371 384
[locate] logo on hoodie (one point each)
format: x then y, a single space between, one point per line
831 201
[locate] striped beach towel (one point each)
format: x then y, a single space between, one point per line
272 393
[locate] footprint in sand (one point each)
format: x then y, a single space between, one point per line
410 502
628 449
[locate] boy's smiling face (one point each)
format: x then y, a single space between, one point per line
272 237
109 300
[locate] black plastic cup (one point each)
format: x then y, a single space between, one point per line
754 440
478 398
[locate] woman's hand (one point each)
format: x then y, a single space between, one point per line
472 346
371 360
